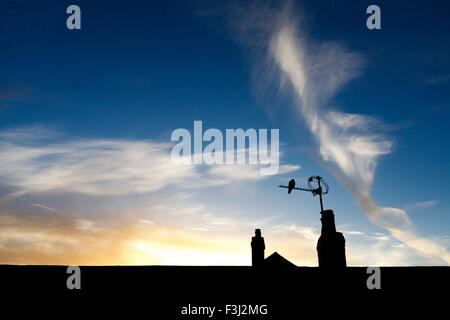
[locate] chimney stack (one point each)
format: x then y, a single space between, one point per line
258 248
331 244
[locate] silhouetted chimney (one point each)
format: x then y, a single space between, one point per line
331 244
258 248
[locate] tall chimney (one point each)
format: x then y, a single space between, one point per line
331 244
258 248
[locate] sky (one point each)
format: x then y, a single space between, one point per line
86 117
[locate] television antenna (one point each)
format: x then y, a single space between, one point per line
312 187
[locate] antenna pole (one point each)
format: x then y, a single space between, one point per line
319 189
311 188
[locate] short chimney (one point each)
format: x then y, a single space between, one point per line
258 248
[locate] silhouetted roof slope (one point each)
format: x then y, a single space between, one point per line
277 261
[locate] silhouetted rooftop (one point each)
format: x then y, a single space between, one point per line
275 260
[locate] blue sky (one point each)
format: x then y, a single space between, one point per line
81 112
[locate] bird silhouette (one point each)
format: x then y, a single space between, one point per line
291 185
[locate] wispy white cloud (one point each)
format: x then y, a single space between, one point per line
45 207
353 232
105 166
230 173
97 167
421 205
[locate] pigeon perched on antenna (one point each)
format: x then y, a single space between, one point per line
321 189
291 185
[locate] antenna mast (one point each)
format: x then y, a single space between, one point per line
315 191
